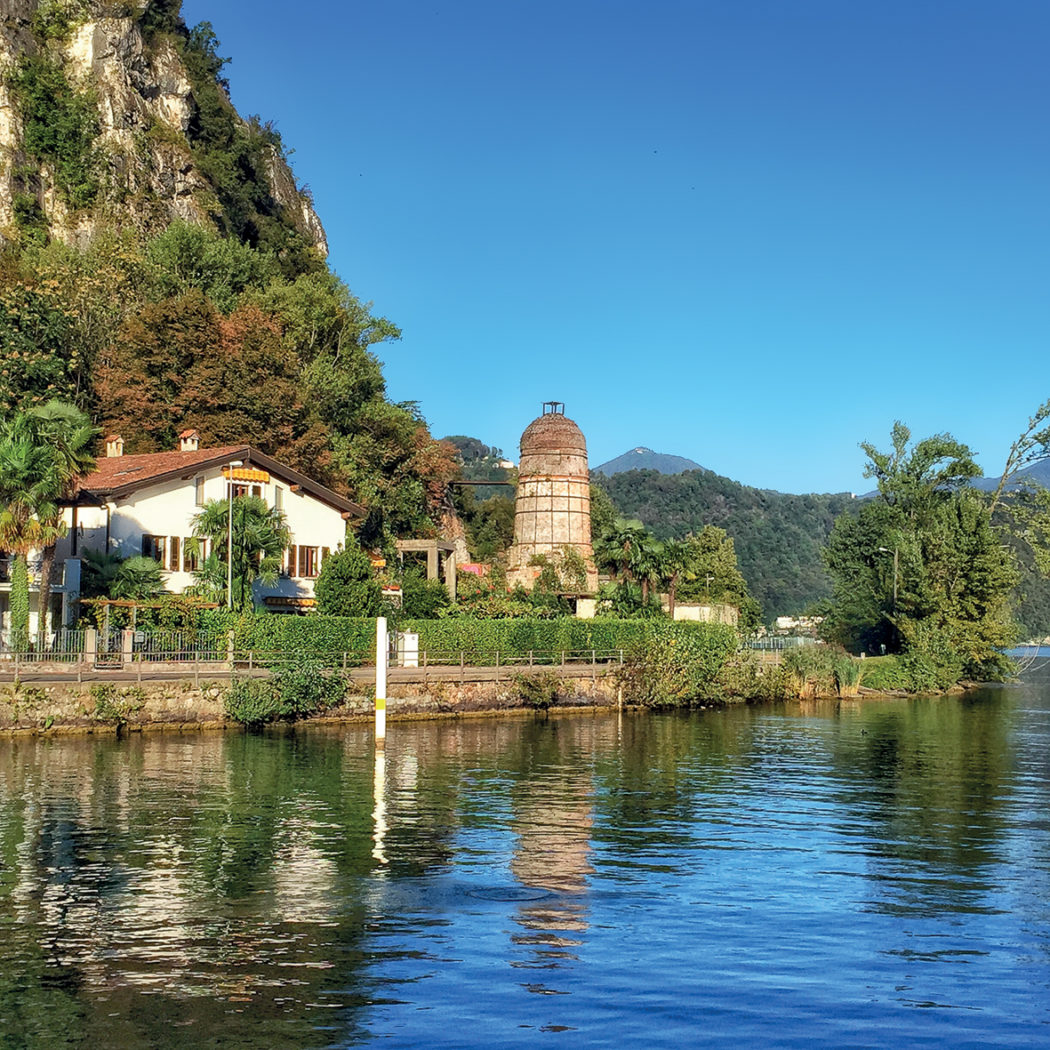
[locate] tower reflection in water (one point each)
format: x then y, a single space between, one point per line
553 824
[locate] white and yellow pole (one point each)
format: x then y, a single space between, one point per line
382 652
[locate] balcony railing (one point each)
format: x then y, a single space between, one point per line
34 566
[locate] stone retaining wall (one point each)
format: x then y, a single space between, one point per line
39 707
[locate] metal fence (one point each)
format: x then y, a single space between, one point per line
174 653
62 646
179 646
778 643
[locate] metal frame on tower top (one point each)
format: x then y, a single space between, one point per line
554 408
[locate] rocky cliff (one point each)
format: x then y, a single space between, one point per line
115 114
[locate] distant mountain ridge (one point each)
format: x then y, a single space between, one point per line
778 536
1036 474
642 458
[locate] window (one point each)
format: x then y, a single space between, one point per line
241 489
278 497
304 562
198 491
307 562
190 558
156 547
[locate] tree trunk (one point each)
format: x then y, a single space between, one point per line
672 586
47 569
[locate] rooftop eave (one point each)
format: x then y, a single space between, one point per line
88 496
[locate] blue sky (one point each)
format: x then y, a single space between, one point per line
751 232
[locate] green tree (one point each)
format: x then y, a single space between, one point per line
68 435
615 547
137 579
423 599
714 575
677 562
603 511
260 536
347 586
37 357
646 559
98 570
920 569
30 486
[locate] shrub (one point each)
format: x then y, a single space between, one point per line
744 678
113 705
809 670
252 701
54 19
422 598
846 672
19 604
327 638
346 586
297 689
59 127
538 689
676 664
306 687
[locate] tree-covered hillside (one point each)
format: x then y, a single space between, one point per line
778 537
231 323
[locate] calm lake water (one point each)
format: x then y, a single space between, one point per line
867 875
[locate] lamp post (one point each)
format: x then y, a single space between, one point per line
229 536
896 553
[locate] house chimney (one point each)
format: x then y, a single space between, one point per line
189 441
114 446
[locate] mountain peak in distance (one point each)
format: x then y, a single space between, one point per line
642 458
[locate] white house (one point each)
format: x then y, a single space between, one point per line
145 504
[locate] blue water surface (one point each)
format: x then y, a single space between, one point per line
855 874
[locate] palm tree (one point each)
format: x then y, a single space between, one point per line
97 572
613 549
677 562
138 578
646 563
68 434
260 535
29 489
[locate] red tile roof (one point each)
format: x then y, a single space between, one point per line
114 472
119 476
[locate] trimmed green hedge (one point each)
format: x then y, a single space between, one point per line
515 638
329 637
321 637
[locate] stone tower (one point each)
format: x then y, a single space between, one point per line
553 505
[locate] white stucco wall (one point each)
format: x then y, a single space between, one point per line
168 510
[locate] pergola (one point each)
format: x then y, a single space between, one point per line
440 555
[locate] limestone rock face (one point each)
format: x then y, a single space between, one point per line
145 104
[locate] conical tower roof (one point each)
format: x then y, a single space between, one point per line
553 432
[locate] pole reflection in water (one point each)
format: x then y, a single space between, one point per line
379 806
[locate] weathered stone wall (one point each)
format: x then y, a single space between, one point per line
82 708
552 509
